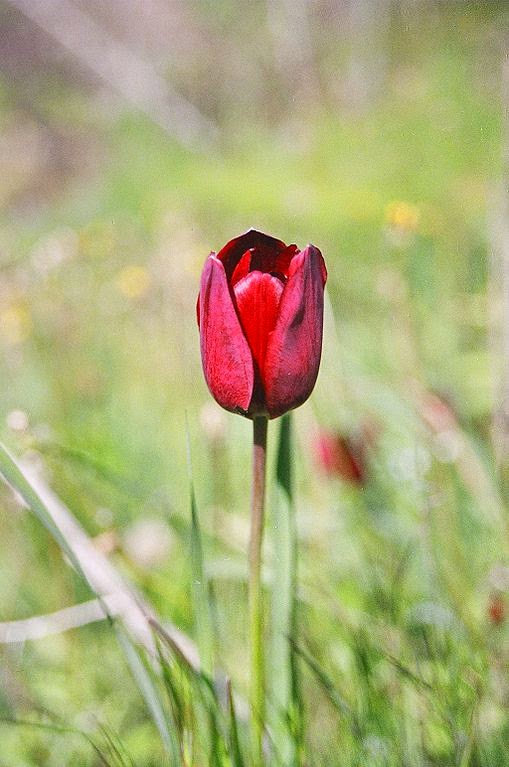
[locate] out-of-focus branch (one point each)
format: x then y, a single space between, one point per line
41 626
126 72
102 576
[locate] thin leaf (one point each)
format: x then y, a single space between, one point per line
200 592
234 744
116 747
172 645
173 692
200 589
201 690
284 473
328 686
58 729
286 725
150 692
16 478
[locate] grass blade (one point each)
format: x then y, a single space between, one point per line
151 694
15 477
200 588
200 595
286 725
58 729
234 744
328 686
116 747
203 710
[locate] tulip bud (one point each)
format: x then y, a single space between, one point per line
260 313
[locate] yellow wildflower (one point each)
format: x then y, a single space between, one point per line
403 216
133 281
15 325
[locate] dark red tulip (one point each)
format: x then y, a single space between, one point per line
340 456
260 312
496 609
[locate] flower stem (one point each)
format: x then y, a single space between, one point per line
257 681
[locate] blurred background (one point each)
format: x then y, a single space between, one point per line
135 137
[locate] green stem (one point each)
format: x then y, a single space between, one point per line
257 689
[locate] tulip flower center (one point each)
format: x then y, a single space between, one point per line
257 295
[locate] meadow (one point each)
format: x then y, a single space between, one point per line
388 154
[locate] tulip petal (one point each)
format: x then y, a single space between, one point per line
242 268
257 297
264 244
294 348
284 259
226 357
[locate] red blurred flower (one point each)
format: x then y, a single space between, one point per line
496 609
260 313
437 413
342 457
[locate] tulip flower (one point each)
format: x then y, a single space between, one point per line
260 313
